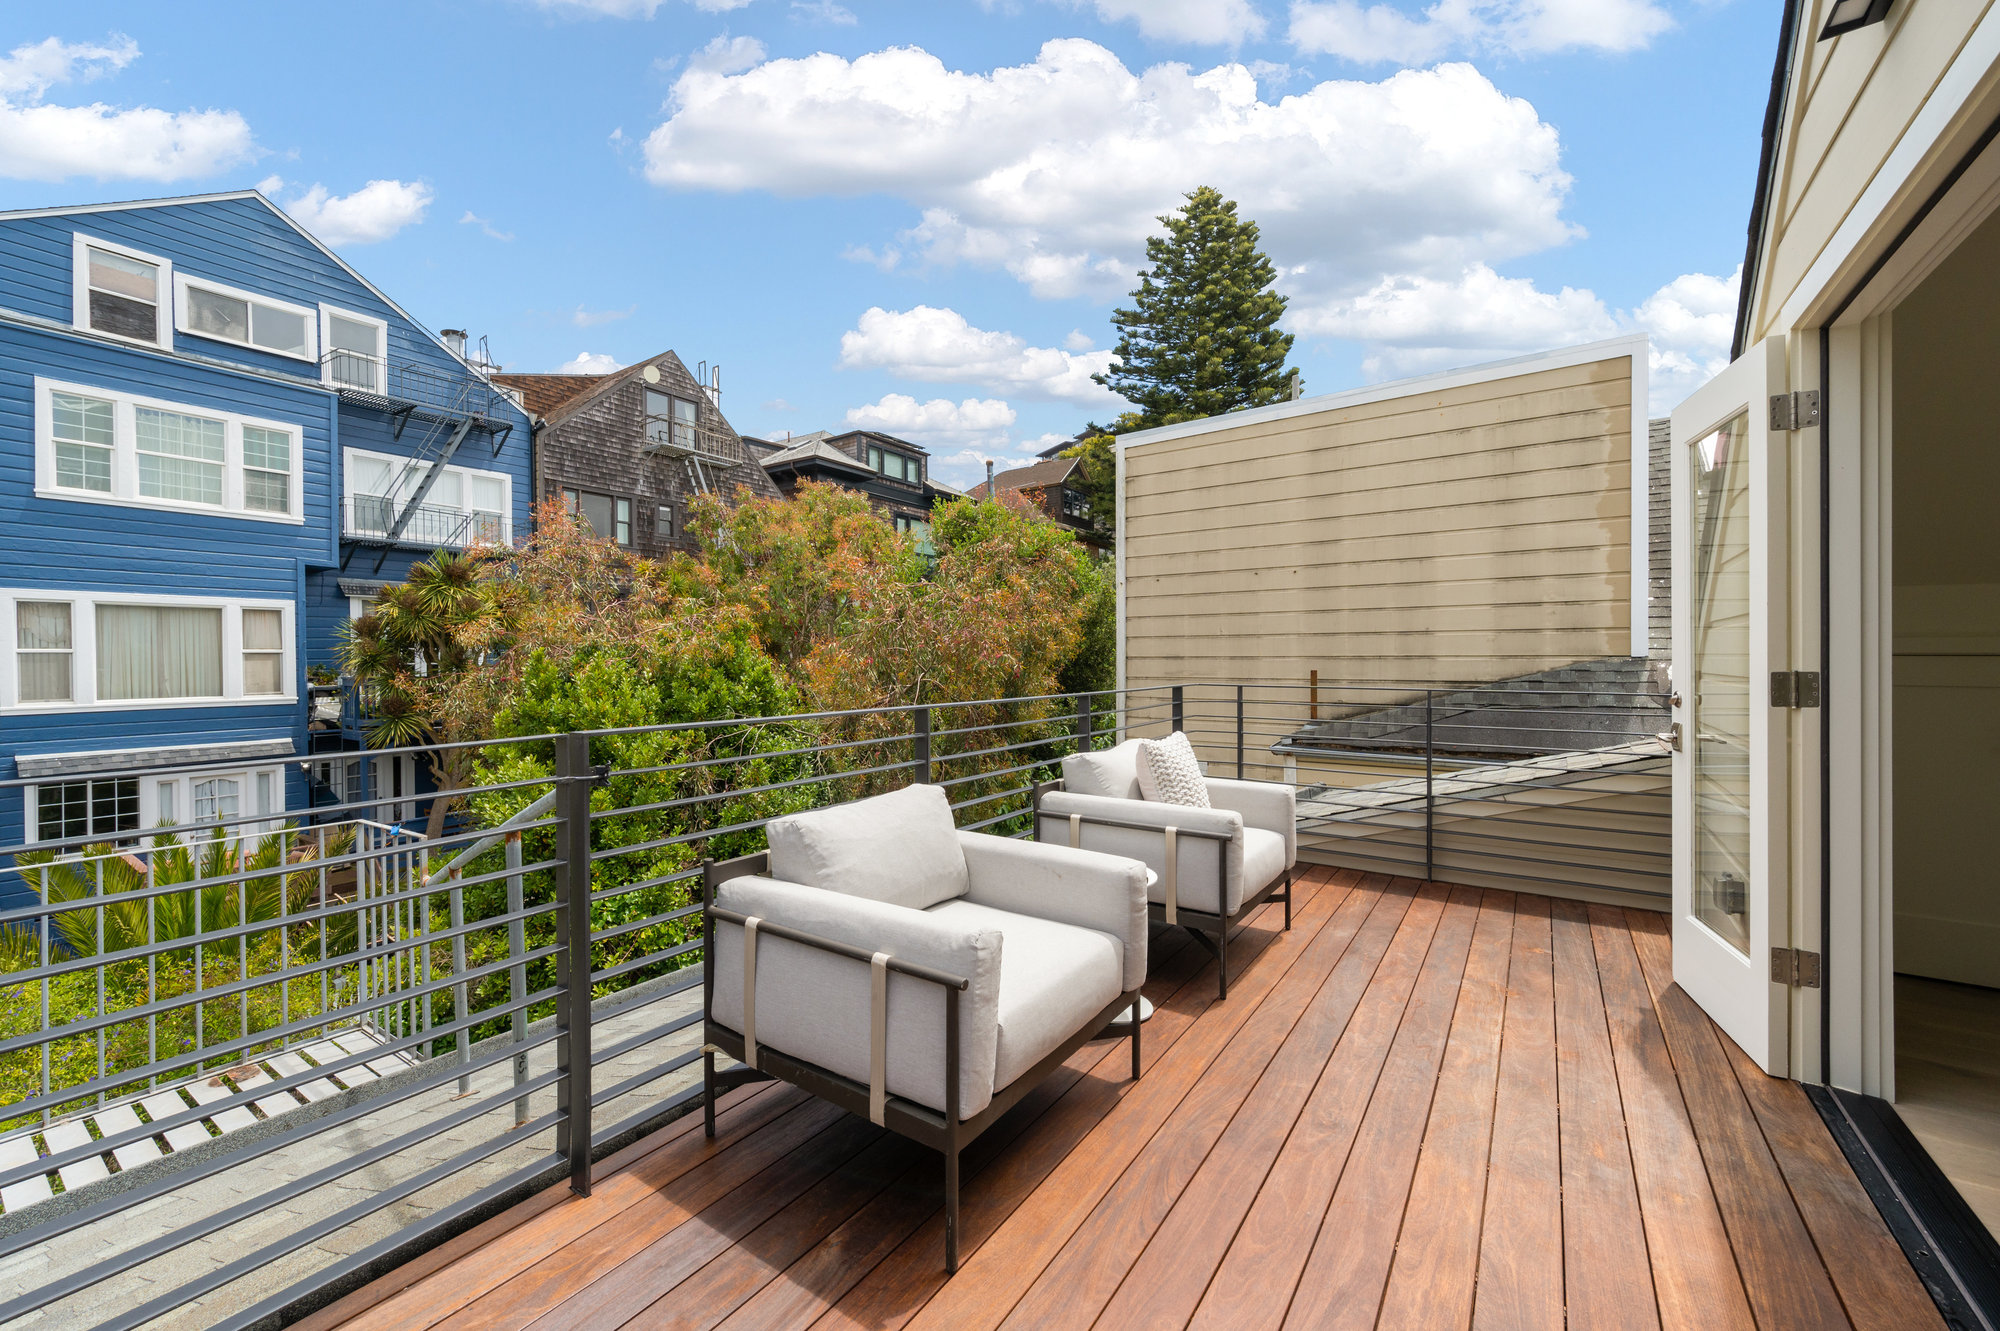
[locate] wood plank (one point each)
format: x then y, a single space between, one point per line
425 1291
1694 1271
1782 1271
596 1294
606 1236
1342 1285
1167 1283
1607 1276
1253 1286
1875 1282
1076 1286
1520 1248
751 1261
994 1278
1437 1256
894 1292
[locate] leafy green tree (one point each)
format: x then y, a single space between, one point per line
1202 337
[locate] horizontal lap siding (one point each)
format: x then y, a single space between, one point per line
1472 533
1853 101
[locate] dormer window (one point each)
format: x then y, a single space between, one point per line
120 292
896 466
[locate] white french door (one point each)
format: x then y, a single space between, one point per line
1731 896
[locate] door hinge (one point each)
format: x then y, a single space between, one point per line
1795 411
1795 688
1795 967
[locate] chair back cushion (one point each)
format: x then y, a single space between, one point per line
1170 774
1112 773
901 848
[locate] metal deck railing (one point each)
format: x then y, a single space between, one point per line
443 1026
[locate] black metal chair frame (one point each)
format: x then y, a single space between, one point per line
1208 928
945 1132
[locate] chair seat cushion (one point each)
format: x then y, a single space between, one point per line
1053 978
900 848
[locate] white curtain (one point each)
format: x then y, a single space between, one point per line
263 652
158 651
43 636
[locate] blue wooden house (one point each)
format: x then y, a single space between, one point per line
217 442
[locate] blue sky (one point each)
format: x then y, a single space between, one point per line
918 216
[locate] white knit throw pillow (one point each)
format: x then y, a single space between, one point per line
1169 773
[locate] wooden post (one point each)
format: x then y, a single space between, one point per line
1315 695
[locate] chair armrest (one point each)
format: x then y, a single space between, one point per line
815 1005
1054 882
1271 805
1208 868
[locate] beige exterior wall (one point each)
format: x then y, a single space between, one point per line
1460 533
1852 104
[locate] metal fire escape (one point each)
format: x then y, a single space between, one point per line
449 406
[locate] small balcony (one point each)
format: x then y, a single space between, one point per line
382 521
411 390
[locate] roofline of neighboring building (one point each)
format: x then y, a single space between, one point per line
128 205
1630 344
1767 170
895 439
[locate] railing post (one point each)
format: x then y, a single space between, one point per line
573 937
1430 795
1180 709
517 974
461 992
1086 718
1315 696
921 764
1239 732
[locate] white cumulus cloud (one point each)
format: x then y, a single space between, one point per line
375 212
588 362
1056 169
39 141
629 8
938 346
1692 320
940 421
1206 22
1386 33
728 55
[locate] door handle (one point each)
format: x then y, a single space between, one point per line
1671 737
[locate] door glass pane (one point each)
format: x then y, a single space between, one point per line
1720 745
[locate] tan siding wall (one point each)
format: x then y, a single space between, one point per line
1853 100
1469 533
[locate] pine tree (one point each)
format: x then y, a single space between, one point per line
1203 335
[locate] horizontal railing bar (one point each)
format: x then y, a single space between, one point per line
640 963
638 1079
634 926
645 1037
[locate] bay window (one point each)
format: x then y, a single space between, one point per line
108 446
73 652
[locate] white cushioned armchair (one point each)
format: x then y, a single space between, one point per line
1226 860
924 977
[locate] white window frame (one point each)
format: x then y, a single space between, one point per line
83 651
181 815
326 316
163 318
125 455
311 316
465 474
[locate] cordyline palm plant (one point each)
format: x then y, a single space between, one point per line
102 878
411 655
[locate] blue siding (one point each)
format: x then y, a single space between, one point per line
89 547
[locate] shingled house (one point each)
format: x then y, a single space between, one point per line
894 473
1050 485
629 449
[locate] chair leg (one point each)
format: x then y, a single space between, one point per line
1222 957
1288 899
951 1211
708 1101
1135 1039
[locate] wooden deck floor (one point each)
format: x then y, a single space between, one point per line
1424 1106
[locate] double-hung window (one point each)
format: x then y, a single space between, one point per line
110 446
263 653
180 456
208 309
45 651
120 291
82 431
356 350
76 810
